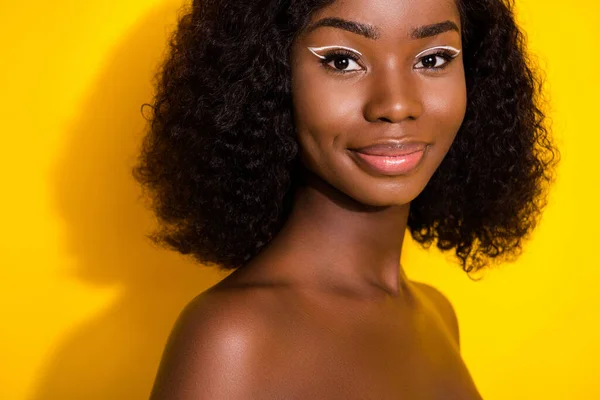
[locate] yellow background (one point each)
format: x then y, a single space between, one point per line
86 303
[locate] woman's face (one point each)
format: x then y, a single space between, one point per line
380 72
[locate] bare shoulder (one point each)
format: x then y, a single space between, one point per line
214 349
444 307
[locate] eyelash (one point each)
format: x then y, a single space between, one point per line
342 53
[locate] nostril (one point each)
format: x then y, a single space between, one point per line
385 119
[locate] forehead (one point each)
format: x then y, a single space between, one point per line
392 18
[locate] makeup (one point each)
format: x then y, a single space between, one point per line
390 165
454 50
390 157
315 49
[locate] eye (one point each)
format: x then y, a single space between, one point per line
340 60
438 60
433 61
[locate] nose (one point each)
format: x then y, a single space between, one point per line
393 97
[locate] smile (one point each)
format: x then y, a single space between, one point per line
391 165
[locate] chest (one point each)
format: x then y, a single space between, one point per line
406 358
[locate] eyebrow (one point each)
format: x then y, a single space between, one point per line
371 32
368 31
425 31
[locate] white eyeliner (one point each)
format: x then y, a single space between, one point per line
441 47
315 49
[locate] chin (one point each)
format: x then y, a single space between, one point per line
388 195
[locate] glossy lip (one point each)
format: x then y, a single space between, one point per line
398 160
392 147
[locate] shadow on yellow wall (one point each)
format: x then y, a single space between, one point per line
115 354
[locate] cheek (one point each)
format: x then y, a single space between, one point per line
446 105
323 109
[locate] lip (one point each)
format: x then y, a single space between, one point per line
391 158
392 148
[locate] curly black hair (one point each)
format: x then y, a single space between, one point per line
220 154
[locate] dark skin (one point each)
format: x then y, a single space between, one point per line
326 311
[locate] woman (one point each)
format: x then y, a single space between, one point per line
294 142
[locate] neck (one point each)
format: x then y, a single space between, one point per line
331 241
